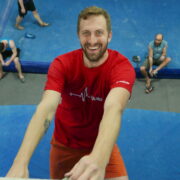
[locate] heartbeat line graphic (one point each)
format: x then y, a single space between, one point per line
85 95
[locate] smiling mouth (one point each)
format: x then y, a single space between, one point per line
93 49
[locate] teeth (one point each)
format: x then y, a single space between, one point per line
93 48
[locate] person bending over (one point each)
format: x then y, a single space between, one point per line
8 54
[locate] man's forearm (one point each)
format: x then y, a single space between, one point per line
36 129
108 132
14 55
2 61
1 58
150 61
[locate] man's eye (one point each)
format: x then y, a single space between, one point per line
85 33
99 32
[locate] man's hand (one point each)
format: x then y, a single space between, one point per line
3 63
23 10
18 171
151 72
162 58
7 63
87 168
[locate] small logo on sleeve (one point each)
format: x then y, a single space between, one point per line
124 82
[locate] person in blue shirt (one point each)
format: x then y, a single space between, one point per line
157 56
8 54
23 7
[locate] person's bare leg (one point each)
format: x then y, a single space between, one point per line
1 71
145 74
38 18
19 70
163 64
18 22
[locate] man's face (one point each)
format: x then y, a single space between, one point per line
158 40
94 37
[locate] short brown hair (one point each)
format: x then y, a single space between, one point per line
94 10
1 47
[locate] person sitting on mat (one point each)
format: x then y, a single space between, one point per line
157 50
23 7
87 90
8 50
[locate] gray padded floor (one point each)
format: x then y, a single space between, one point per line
165 97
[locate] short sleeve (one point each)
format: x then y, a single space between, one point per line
123 75
55 77
151 44
165 44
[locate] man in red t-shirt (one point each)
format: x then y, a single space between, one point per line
87 90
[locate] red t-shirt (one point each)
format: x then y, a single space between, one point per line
83 92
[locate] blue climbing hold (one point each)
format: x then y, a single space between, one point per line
29 35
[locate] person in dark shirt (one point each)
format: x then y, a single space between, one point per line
10 53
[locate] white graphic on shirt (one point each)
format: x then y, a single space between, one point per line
125 82
85 95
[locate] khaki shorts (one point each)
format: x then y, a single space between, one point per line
156 62
62 160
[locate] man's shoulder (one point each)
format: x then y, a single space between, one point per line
164 42
70 54
69 58
7 40
151 44
10 43
115 54
118 60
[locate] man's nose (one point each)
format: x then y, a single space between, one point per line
92 39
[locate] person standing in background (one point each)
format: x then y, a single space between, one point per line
23 7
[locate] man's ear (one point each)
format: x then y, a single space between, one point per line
109 36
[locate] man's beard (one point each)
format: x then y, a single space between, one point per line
94 57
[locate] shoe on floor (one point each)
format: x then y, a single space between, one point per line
22 79
149 89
